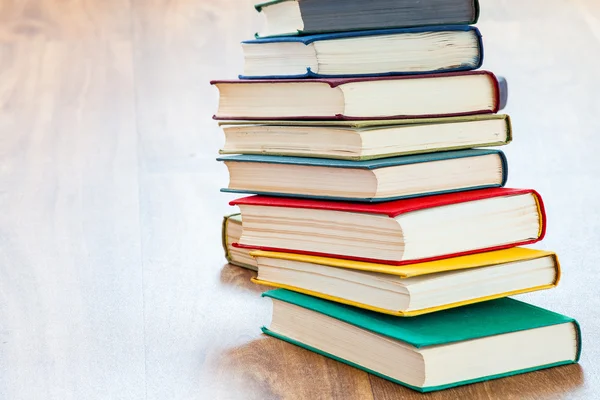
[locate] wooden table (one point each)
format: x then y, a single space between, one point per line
112 279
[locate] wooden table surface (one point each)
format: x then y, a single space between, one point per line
112 279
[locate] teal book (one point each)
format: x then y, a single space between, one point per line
436 351
370 181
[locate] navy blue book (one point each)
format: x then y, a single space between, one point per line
365 53
378 180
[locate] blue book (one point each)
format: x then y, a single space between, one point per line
408 51
367 181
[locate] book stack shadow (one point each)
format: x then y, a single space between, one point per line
366 137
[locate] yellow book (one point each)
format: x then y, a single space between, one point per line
413 289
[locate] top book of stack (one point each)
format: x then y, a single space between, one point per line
305 17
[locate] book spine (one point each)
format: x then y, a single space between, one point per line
224 237
542 216
509 130
504 162
476 11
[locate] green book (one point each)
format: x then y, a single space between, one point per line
464 345
365 140
231 230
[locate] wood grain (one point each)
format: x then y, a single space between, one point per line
112 283
71 307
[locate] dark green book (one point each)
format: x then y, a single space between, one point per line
464 345
231 230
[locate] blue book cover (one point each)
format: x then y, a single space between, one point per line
472 64
368 165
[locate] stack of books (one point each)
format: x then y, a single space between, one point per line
358 127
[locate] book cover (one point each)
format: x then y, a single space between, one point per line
395 208
470 322
224 234
418 269
238 218
307 40
371 123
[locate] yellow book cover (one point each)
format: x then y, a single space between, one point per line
479 260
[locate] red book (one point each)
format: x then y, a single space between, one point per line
389 97
396 232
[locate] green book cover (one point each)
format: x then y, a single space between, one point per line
469 322
370 123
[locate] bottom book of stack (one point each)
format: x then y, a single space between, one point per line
469 344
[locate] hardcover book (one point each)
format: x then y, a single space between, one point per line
365 140
395 232
231 231
413 289
366 181
389 97
365 53
297 17
460 346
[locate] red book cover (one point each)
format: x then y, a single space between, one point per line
498 88
393 209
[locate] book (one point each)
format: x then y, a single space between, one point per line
460 346
365 140
298 17
231 231
414 289
366 181
388 97
365 53
395 232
